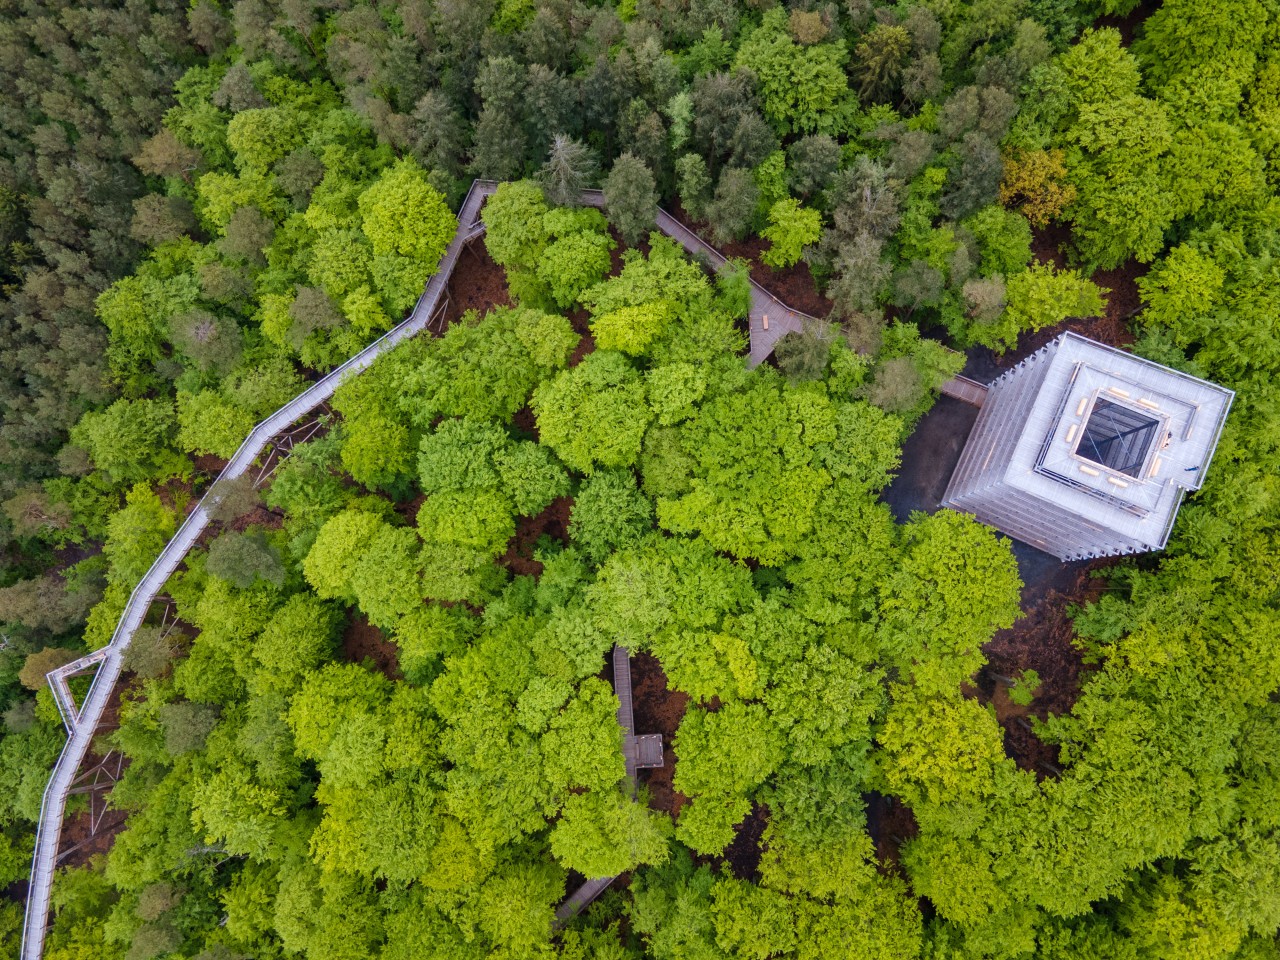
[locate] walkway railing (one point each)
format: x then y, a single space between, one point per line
85 721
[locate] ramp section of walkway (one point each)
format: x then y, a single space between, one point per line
82 724
965 390
769 319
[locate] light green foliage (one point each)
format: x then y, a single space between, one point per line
515 235
1024 690
800 86
574 262
1039 297
131 440
724 755
531 477
706 665
604 833
300 638
630 329
341 541
609 513
955 585
663 583
137 309
582 747
665 275
209 423
791 229
460 455
220 194
762 458
136 534
485 368
476 519
674 390
1004 240
595 414
478 480
261 137
404 216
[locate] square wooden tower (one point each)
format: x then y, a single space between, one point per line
1083 450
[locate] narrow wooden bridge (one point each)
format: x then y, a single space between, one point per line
638 753
965 390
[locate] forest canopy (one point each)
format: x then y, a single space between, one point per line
376 719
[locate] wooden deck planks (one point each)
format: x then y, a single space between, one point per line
965 390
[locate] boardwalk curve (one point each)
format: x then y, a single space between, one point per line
84 722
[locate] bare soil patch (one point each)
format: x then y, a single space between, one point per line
658 709
260 516
743 853
477 284
580 320
525 423
1130 25
363 641
408 509
553 521
1041 640
794 285
209 463
890 824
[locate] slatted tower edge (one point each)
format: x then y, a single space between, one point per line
1083 450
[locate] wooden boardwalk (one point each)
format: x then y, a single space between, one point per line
82 723
637 753
965 390
765 307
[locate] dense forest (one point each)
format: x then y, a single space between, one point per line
375 719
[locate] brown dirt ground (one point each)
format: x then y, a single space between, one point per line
363 641
742 855
890 824
553 521
477 284
208 463
408 509
259 516
580 320
1130 24
526 423
1041 640
658 709
794 286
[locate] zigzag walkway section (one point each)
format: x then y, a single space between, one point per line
769 320
82 723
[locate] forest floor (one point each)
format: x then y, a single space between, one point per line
658 709
552 522
477 284
362 641
890 823
794 286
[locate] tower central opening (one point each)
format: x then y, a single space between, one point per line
1118 437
